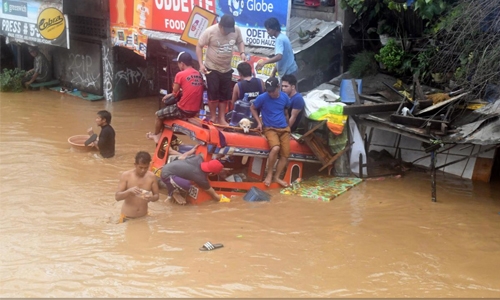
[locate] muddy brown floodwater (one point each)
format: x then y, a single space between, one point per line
381 239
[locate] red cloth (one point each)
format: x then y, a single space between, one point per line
191 83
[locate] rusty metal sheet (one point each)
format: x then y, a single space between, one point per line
485 131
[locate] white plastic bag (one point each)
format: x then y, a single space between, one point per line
317 99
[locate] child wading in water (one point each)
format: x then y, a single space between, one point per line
106 140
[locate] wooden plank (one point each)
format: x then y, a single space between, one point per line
312 130
394 90
47 83
318 148
350 110
334 158
390 96
373 99
482 169
355 90
411 130
416 122
441 104
424 103
418 89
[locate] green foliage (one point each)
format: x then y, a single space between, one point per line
432 11
357 6
362 7
302 33
469 45
11 80
391 55
419 63
446 22
363 64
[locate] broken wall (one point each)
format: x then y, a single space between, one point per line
475 168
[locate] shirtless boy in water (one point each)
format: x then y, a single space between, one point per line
137 187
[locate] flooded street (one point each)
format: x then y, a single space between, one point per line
381 239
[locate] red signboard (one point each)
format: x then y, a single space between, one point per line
126 18
162 15
172 15
121 12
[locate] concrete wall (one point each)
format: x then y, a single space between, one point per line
133 75
88 8
89 35
326 13
80 66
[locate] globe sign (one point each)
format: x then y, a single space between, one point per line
236 7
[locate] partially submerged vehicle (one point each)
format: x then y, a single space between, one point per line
244 156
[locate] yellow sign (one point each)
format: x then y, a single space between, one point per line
199 20
51 23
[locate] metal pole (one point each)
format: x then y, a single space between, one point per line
433 175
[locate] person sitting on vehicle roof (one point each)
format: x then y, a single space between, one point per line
274 105
190 82
297 103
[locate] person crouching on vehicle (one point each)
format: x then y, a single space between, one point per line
177 175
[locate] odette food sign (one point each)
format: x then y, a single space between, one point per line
173 15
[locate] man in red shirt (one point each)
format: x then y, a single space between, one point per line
190 82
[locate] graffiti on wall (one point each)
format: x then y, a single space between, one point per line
82 72
131 76
134 77
108 73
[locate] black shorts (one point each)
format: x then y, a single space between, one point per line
220 85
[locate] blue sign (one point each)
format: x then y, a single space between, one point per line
15 8
250 16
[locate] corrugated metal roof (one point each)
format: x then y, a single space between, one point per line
296 23
486 131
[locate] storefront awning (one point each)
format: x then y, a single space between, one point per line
297 23
171 40
160 35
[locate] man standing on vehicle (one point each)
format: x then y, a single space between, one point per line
284 57
221 39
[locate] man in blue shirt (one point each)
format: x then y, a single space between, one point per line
284 57
297 103
273 106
